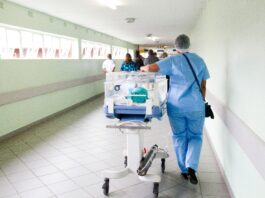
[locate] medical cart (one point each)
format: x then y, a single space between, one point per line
135 98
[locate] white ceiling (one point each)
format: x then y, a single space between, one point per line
162 18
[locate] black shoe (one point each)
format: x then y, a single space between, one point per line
193 178
185 176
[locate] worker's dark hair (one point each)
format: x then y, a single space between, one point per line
182 42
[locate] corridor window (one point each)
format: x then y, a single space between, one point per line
20 43
31 45
68 49
59 48
13 45
48 49
26 44
94 50
118 52
3 43
56 47
87 50
37 46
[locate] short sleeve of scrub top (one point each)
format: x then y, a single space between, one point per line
165 66
206 74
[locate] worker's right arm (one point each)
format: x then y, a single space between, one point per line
205 76
163 67
203 88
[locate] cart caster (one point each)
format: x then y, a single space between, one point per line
105 187
156 190
163 165
125 161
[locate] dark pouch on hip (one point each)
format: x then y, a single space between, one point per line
208 111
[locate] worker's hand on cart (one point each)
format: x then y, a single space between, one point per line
145 68
150 68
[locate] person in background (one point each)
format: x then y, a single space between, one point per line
151 58
138 60
108 65
163 55
185 104
155 54
128 65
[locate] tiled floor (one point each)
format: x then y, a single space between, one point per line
65 156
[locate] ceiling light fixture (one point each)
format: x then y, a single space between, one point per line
151 37
148 35
113 4
130 20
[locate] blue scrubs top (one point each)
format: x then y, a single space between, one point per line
184 94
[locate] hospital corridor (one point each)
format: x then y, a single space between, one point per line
132 99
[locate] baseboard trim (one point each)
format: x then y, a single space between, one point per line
45 119
220 165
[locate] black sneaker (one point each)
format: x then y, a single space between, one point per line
185 176
192 176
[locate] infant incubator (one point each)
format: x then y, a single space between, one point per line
135 98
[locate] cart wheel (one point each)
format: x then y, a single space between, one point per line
125 161
156 190
163 165
105 187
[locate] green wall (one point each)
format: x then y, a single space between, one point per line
230 37
21 74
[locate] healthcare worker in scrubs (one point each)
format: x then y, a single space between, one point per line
185 104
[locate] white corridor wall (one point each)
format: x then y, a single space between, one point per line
230 36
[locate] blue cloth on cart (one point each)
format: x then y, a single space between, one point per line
138 95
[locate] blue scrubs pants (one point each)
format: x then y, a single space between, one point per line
187 138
